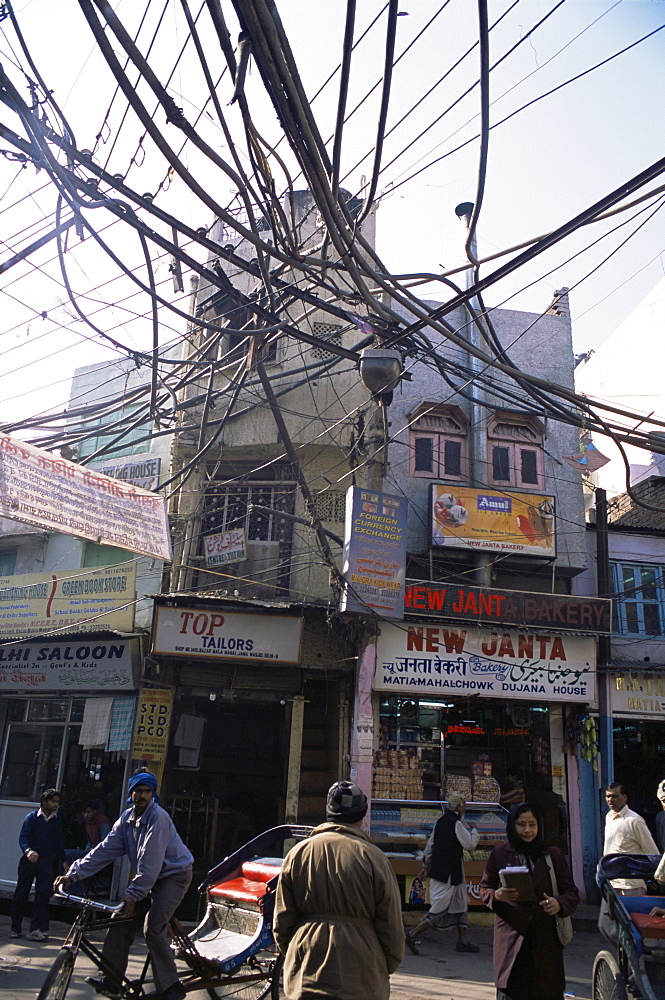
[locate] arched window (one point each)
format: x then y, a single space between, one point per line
438 442
516 450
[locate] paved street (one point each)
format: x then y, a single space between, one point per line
439 971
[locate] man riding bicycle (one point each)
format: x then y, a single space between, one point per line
163 868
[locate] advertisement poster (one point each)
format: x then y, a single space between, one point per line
374 564
78 600
194 632
492 520
416 890
153 721
225 547
39 488
92 664
537 666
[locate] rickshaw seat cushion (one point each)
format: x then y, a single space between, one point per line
239 890
260 871
252 885
639 908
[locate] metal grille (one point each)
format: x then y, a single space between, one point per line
330 332
330 506
228 507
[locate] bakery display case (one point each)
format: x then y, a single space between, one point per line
401 828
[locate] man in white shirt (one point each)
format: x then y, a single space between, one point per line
442 863
625 833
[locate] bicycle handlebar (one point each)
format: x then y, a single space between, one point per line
94 904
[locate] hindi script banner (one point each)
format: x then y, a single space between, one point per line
39 488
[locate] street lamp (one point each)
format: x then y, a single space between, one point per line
380 371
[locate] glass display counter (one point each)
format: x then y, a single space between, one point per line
401 828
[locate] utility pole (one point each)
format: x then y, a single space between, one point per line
479 459
604 581
379 371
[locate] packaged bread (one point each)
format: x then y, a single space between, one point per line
458 783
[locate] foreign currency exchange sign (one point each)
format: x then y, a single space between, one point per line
374 553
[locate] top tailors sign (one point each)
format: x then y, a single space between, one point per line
37 487
374 553
492 520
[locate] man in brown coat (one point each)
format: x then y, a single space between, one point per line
338 914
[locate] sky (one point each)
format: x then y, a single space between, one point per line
546 164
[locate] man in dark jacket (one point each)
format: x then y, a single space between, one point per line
442 864
42 845
338 914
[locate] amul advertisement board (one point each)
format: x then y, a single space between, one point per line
374 566
421 658
78 600
492 520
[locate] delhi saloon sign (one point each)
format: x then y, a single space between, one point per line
91 663
536 666
508 607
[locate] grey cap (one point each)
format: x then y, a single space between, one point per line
346 803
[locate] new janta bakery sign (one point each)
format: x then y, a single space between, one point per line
539 666
508 607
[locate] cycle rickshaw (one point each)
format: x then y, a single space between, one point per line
638 968
231 953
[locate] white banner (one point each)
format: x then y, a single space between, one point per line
92 664
538 666
225 635
39 488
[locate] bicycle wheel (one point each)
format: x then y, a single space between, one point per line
265 965
58 977
608 983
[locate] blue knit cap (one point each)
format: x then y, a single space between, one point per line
143 778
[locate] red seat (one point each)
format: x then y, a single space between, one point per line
240 890
649 927
251 887
260 871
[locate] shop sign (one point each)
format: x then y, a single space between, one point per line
82 600
153 722
374 563
508 607
492 520
143 472
633 693
225 547
38 488
90 664
203 632
536 666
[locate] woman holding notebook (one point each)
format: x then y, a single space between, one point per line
528 956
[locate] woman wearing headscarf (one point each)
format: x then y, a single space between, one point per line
528 957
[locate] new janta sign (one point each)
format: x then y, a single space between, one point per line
540 666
